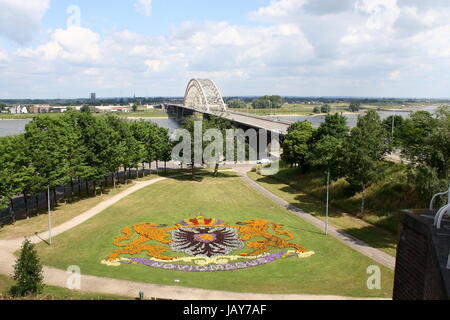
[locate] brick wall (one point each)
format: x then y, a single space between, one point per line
417 273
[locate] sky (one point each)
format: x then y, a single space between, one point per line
374 48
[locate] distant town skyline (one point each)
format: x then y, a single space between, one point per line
151 48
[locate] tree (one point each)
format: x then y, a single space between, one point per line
85 109
327 145
335 125
414 133
135 107
355 106
365 147
3 107
325 108
78 151
394 131
426 144
296 146
27 272
140 133
112 145
237 104
48 141
317 110
268 102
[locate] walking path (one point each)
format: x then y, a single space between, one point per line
96 284
360 246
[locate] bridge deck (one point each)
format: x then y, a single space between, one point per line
249 120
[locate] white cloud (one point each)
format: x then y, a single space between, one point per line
302 47
3 55
20 19
382 13
395 75
75 44
278 10
144 7
153 65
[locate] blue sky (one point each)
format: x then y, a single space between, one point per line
379 48
106 15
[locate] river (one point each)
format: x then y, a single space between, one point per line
12 127
352 118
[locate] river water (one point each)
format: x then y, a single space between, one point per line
12 127
352 118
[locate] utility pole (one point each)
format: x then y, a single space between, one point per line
393 125
328 202
49 219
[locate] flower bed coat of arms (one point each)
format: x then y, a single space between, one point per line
205 245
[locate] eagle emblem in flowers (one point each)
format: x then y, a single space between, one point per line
205 237
207 245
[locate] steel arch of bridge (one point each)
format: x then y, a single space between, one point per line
203 95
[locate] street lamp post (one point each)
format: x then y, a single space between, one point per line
328 202
49 218
393 125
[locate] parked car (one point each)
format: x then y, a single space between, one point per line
263 161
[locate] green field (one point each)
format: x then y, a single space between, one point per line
335 269
292 109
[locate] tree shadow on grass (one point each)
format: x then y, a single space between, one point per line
200 176
382 240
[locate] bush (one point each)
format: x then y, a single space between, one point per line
325 108
355 106
27 272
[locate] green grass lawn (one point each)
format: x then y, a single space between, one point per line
335 269
56 293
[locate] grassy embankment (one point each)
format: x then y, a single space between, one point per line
292 109
335 269
384 200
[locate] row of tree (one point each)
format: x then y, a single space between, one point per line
268 102
356 154
60 151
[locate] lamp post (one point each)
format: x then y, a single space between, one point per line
328 202
393 125
49 218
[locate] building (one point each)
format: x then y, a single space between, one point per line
58 109
93 97
18 110
40 108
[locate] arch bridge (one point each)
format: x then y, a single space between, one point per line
203 96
